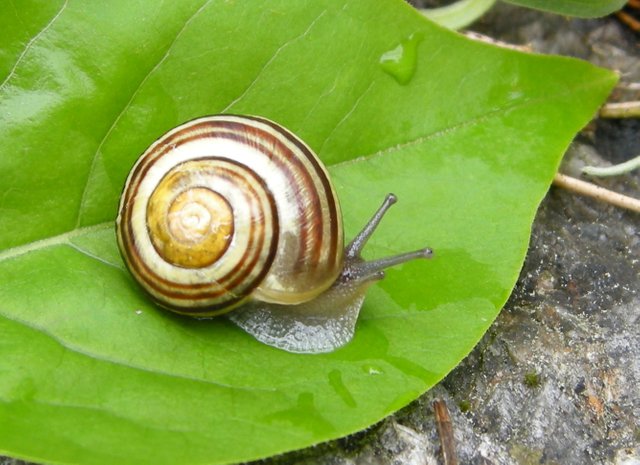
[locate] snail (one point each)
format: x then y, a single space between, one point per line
236 214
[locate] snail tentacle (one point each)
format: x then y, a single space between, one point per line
355 247
373 270
356 268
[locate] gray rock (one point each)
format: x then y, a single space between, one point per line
10 461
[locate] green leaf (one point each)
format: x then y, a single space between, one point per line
580 8
91 372
459 14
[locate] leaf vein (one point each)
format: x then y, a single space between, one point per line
347 115
95 257
97 153
30 44
271 60
52 241
101 358
146 425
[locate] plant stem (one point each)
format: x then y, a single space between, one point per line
597 192
445 432
459 14
614 170
621 110
629 20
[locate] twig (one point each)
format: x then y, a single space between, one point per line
634 3
597 192
621 110
629 20
445 432
615 170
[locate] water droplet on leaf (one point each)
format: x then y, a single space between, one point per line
372 370
401 61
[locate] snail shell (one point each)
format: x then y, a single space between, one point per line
236 211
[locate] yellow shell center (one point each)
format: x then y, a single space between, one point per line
192 229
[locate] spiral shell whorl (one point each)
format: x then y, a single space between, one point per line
224 208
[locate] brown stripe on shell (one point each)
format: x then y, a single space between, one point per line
320 173
229 281
204 310
152 279
232 301
311 234
234 277
234 271
235 131
310 215
335 232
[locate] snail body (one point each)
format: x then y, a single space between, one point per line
237 213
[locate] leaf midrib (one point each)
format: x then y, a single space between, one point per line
80 351
52 241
